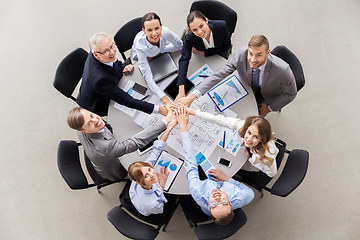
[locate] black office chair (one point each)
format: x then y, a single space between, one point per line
285 54
132 228
69 165
209 231
290 178
69 73
124 38
216 10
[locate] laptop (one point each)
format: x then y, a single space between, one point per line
162 66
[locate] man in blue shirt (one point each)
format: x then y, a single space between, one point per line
216 198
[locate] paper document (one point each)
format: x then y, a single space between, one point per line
128 89
200 75
227 93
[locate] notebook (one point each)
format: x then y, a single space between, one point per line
162 66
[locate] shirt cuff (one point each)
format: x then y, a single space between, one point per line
156 109
166 124
270 108
197 93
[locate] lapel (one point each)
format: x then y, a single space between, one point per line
267 70
107 68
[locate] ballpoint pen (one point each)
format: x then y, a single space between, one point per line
224 139
144 97
203 76
219 102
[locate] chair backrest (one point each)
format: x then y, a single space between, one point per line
293 173
129 226
69 72
285 54
69 165
216 10
192 211
155 219
212 231
124 38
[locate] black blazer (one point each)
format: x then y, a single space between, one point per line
222 43
100 84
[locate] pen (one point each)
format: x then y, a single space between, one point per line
222 97
203 75
224 139
144 97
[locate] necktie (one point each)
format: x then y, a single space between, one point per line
117 68
255 80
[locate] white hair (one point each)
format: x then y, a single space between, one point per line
96 38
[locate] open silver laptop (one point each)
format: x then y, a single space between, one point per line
162 66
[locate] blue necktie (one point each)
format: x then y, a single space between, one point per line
117 68
255 80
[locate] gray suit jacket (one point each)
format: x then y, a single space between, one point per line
278 86
103 149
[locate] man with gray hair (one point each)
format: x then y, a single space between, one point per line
102 73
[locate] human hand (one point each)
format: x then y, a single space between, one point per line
218 175
128 69
170 115
194 50
163 110
162 177
182 117
263 109
246 152
187 100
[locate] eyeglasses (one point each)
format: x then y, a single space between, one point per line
222 202
107 51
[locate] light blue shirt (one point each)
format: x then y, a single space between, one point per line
238 193
149 201
142 48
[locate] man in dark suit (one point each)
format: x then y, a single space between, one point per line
102 73
100 145
274 87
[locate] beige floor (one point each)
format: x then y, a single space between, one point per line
35 35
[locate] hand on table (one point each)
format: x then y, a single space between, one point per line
128 69
194 50
263 109
162 177
218 175
246 152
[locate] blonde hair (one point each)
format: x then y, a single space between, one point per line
135 173
75 119
265 134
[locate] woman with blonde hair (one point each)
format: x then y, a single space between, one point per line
259 144
147 187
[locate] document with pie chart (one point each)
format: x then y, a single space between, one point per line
173 165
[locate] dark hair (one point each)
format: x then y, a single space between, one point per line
148 17
194 14
75 119
265 134
257 41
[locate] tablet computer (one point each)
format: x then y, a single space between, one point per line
147 148
173 165
172 89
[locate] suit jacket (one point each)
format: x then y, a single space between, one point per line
103 149
222 43
100 84
278 86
